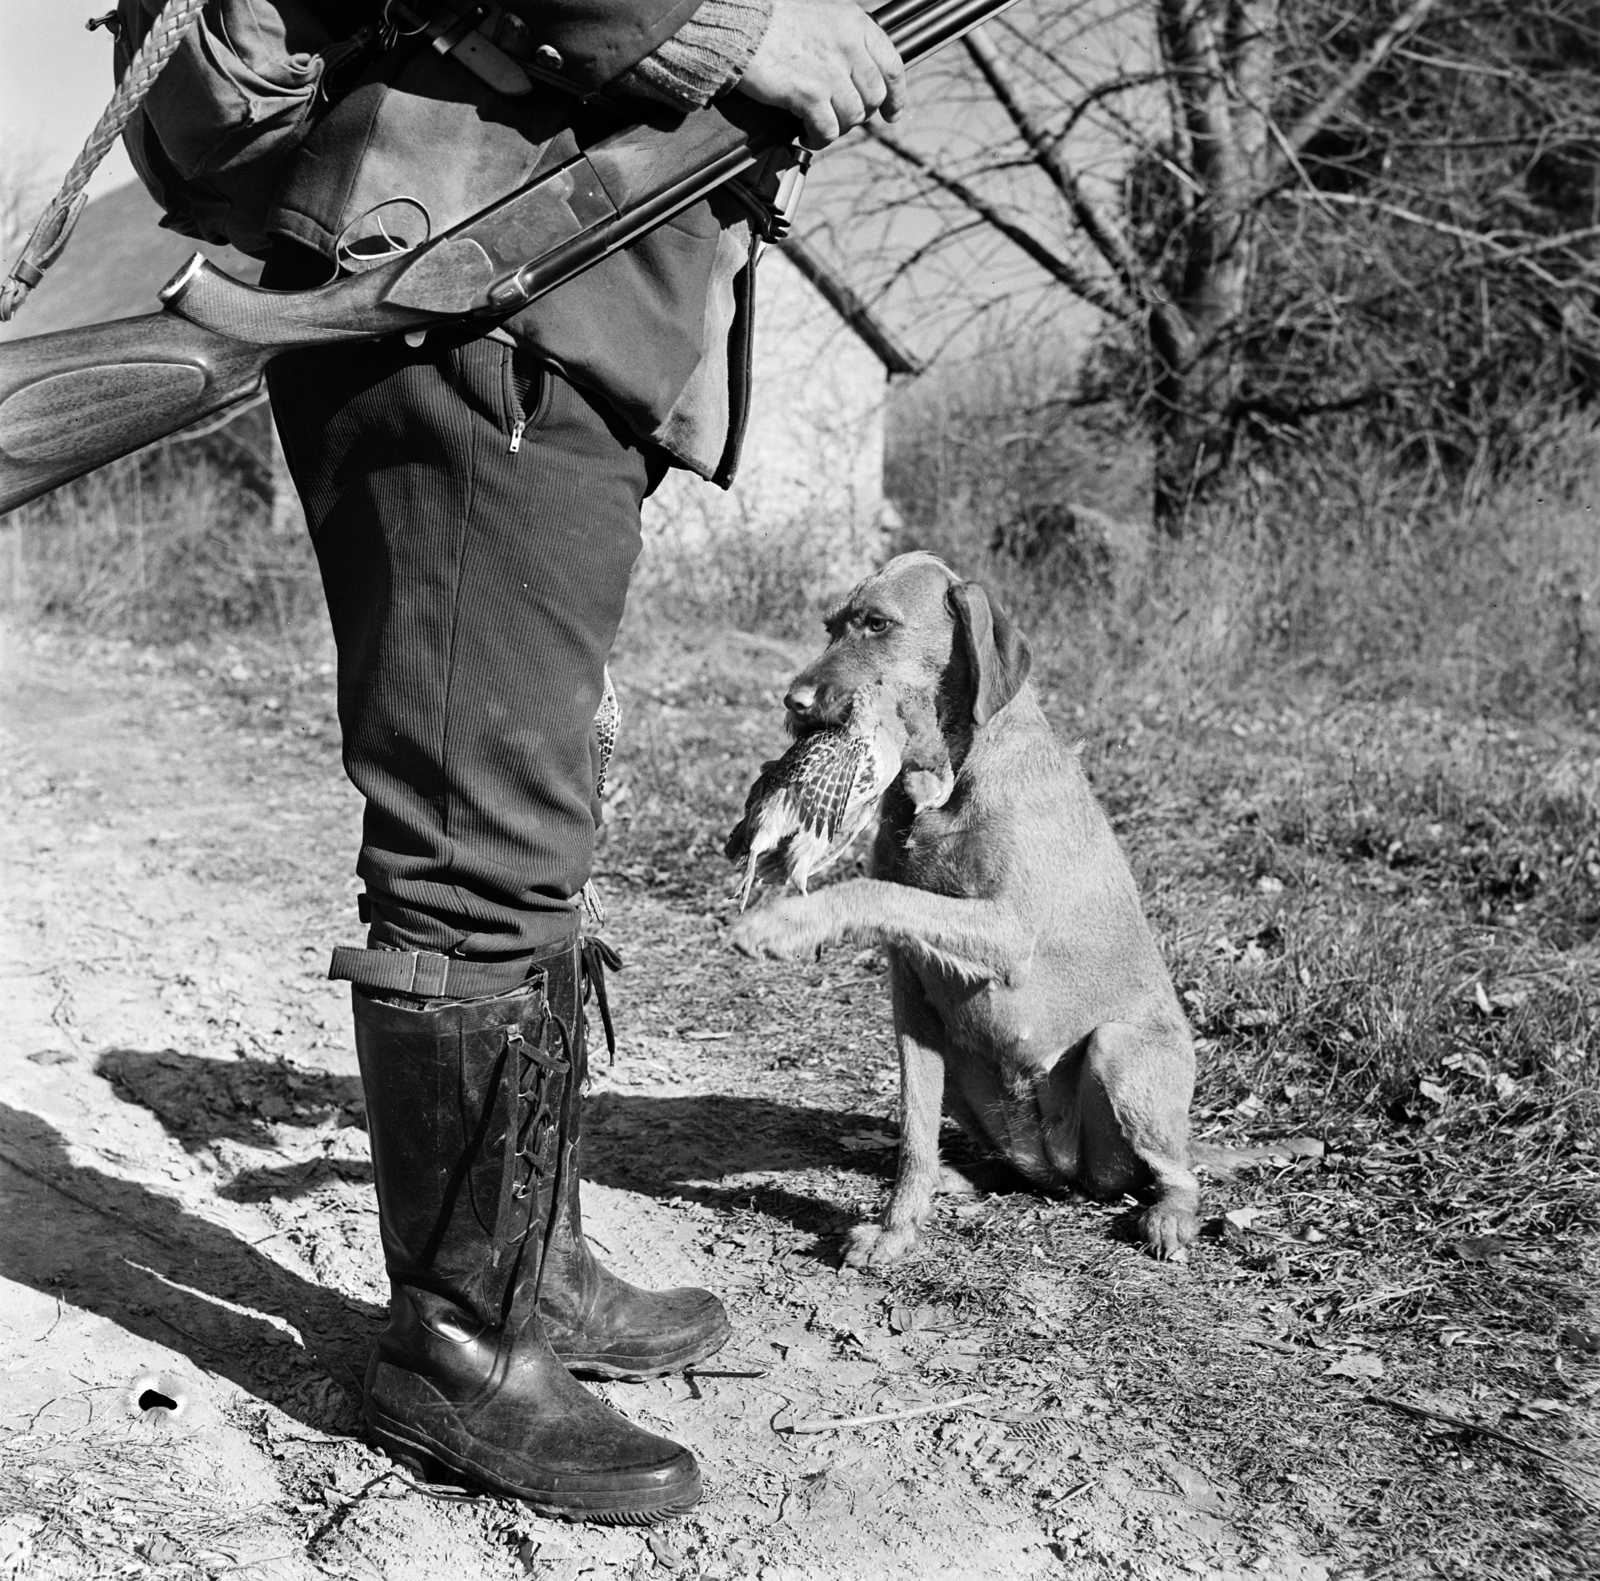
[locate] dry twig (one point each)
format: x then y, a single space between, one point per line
1464 1425
829 1424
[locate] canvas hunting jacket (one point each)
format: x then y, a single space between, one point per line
659 330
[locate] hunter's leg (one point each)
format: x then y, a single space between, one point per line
475 591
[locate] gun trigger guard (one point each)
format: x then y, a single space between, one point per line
771 190
379 234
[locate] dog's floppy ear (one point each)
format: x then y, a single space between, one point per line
998 654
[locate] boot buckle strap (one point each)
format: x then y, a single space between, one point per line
425 974
540 1156
550 1064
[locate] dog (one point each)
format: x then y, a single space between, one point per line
1030 998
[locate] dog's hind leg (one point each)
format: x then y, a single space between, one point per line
1116 1114
921 1099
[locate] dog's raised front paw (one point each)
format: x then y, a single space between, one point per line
779 931
873 1246
1168 1229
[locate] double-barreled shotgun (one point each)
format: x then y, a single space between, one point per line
76 399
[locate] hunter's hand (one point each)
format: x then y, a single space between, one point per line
830 64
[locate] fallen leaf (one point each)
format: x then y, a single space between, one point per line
869 1141
1581 1338
1268 885
1248 1107
1253 1018
1433 1092
663 1551
1244 1218
1505 1087
1488 1249
1361 1364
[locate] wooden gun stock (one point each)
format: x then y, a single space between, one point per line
79 398
74 400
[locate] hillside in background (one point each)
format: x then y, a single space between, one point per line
115 263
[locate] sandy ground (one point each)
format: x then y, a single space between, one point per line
187 1213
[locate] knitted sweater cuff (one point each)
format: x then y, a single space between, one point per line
708 54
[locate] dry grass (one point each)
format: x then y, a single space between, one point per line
769 576
117 1510
170 545
1385 921
1335 570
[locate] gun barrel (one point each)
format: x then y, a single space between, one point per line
923 29
78 398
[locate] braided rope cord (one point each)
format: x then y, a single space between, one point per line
61 214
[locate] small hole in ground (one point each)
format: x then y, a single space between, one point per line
154 1399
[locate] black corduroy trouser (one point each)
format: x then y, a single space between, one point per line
476 519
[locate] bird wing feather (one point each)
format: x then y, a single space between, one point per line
824 792
806 807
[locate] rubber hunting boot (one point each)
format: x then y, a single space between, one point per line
467 1105
599 1325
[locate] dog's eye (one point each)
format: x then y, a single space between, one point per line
875 625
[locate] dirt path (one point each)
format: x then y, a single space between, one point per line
187 1207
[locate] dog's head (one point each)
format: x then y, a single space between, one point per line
936 652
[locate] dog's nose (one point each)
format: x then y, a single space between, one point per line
801 700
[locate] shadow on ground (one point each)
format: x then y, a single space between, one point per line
705 1148
129 1254
702 1147
201 1101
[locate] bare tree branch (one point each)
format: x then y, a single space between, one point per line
1488 240
1106 238
843 299
1082 285
1329 106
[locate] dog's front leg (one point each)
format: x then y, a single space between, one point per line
921 1101
790 928
968 936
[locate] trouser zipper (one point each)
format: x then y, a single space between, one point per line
521 373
